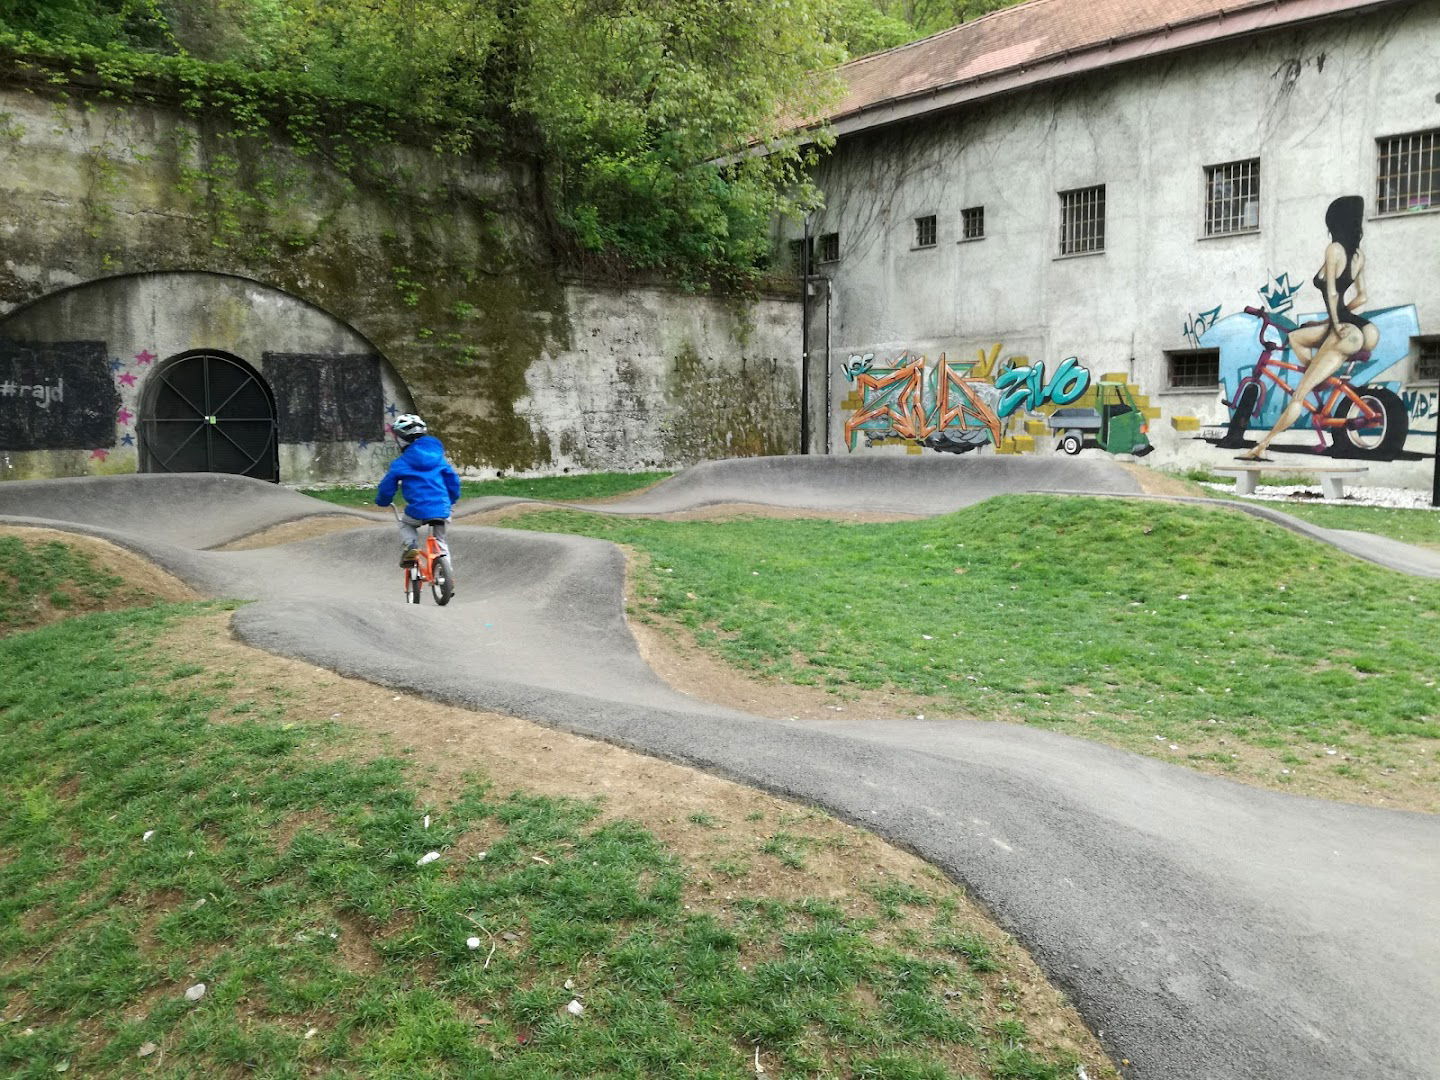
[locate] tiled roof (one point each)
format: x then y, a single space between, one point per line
1039 33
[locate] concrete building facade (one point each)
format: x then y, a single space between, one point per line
1043 231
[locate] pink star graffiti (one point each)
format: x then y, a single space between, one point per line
144 356
124 415
127 379
99 455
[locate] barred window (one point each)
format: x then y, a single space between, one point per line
1082 220
1192 369
1408 177
1232 197
829 247
972 223
1427 359
925 231
802 256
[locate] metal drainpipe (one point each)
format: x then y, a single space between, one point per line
830 292
805 338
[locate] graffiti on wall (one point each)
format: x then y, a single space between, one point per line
1423 408
55 395
955 406
1196 325
74 395
944 406
1336 373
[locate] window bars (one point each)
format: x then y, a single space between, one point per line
1232 197
1408 176
972 223
1082 220
925 231
1427 359
829 247
1194 368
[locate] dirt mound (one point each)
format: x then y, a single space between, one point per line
46 575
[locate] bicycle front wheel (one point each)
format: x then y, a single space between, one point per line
412 585
442 586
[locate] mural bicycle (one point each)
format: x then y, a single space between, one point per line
1337 372
1365 418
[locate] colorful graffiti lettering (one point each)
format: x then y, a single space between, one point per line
911 401
1025 387
1196 325
956 406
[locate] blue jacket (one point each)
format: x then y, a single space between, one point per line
429 483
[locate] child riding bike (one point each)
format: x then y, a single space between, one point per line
430 484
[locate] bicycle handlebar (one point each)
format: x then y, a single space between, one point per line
1266 322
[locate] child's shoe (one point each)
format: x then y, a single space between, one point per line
409 557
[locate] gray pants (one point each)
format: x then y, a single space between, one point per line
410 531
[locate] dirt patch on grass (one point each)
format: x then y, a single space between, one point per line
738 843
291 532
1155 482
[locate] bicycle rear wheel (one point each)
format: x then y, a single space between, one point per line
442 586
1247 401
1380 439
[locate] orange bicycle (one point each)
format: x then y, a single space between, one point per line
432 567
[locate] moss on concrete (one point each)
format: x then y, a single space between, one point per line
718 411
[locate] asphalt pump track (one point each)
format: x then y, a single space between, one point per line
1205 929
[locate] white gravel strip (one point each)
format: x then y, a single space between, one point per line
1394 498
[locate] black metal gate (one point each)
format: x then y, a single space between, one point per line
207 412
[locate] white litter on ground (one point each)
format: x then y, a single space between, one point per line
428 857
1393 498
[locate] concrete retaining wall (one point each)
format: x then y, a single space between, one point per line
149 232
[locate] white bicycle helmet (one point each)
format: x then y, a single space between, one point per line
408 427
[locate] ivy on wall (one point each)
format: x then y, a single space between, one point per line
636 114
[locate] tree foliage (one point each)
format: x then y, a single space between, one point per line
641 112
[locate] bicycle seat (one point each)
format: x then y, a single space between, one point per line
1350 367
434 521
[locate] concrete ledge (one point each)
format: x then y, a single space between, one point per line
1331 478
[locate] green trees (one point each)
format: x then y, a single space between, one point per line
641 112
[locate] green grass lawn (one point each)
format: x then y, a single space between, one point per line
1420 527
165 827
1117 620
555 488
1412 526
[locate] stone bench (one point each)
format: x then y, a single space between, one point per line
1332 478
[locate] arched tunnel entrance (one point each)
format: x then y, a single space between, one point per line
191 371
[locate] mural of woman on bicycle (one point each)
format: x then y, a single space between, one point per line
1322 347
